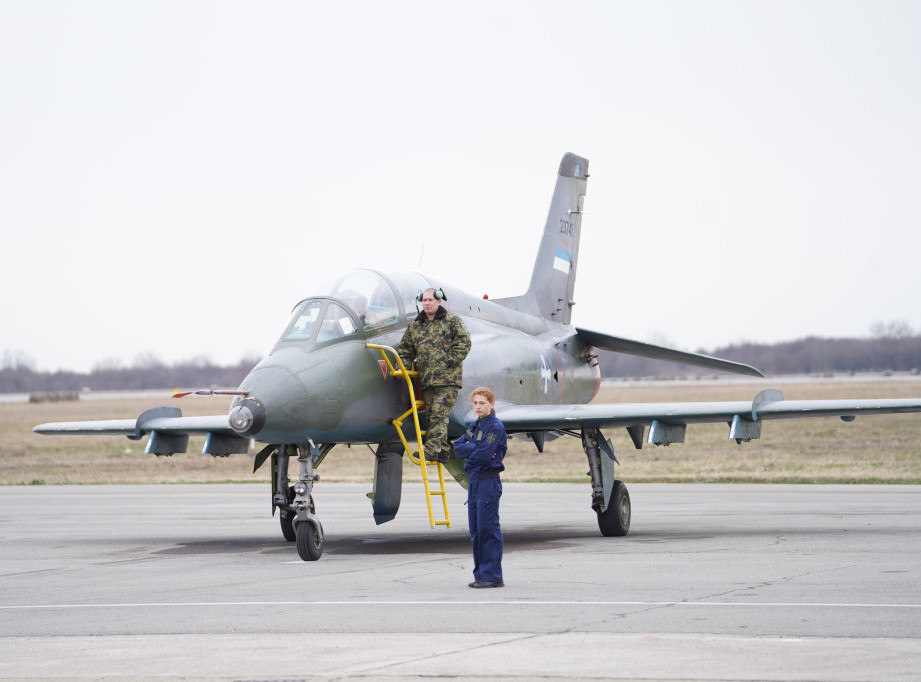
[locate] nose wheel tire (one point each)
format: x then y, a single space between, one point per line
309 542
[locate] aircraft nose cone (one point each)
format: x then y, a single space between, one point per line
247 418
276 404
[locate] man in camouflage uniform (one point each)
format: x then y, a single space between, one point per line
438 342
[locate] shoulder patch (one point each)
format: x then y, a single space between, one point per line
491 438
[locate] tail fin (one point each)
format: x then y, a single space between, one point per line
554 276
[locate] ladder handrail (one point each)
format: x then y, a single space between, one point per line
408 375
414 406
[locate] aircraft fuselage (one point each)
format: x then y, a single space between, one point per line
339 392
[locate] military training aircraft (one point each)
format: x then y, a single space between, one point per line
333 378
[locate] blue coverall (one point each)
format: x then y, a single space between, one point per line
483 447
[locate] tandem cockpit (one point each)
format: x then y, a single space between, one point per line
359 304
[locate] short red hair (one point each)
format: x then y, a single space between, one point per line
486 393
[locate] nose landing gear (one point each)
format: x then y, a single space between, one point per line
307 526
298 519
309 539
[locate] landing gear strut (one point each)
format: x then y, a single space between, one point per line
298 519
282 494
610 498
307 528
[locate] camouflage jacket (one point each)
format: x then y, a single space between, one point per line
438 347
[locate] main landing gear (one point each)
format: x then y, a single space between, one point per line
614 521
298 519
299 522
610 498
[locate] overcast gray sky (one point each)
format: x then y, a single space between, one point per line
174 176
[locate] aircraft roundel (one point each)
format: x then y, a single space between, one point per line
544 375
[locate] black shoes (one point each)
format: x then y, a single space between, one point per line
485 583
440 457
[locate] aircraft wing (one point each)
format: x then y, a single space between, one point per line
135 427
668 421
169 431
618 344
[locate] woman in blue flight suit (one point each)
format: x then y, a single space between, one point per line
483 447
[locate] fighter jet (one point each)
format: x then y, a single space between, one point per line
333 379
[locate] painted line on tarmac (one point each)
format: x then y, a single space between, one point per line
511 602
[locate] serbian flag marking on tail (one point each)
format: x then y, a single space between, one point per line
562 260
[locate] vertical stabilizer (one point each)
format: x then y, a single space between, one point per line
553 279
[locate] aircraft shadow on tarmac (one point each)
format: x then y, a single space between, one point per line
523 540
391 543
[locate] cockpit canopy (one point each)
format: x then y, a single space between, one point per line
361 301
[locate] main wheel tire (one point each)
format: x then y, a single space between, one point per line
286 519
614 521
309 542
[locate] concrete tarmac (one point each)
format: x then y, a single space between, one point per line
714 582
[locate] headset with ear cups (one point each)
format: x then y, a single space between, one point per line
438 293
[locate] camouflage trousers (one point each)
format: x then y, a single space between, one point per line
439 401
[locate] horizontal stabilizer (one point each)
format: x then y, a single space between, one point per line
648 350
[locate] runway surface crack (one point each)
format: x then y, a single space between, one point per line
441 654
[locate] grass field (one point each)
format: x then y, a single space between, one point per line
881 449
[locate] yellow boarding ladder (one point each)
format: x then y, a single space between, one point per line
415 405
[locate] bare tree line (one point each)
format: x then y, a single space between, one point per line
18 375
